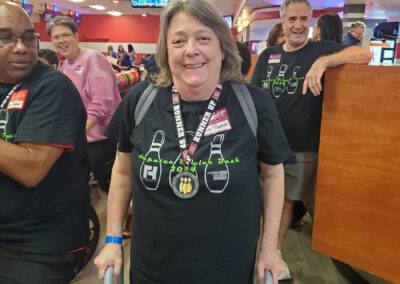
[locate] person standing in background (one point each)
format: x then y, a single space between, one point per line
244 53
111 52
44 193
291 74
328 27
275 36
123 57
96 83
132 54
49 57
354 35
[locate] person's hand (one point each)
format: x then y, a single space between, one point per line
110 255
313 77
269 259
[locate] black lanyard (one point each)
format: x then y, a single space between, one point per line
13 89
187 154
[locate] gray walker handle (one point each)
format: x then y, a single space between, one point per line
268 277
108 276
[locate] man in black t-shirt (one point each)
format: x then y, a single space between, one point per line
43 162
291 74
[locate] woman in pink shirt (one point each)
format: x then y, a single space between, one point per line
95 80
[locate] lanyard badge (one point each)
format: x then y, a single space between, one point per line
185 184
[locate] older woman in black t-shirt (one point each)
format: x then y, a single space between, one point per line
192 163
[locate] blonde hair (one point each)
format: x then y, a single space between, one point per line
358 24
208 16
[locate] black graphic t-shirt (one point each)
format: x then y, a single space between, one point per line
282 75
211 237
50 218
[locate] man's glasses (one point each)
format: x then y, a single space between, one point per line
62 37
29 40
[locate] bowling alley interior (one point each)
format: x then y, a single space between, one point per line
348 230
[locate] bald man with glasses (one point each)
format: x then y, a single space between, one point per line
43 162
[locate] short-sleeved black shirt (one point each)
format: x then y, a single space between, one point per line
282 75
211 237
50 218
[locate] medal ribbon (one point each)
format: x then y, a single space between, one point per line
5 101
187 153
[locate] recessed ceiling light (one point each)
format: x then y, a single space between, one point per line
77 1
115 1
97 7
114 13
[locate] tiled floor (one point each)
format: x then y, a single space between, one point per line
306 265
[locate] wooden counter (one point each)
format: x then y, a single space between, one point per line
357 207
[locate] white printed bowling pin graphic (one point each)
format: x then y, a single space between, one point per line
178 165
279 85
3 123
293 82
216 175
267 84
150 172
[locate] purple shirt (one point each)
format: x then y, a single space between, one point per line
95 80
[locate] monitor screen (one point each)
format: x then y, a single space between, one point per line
391 43
254 47
389 30
28 8
49 15
228 20
388 54
149 3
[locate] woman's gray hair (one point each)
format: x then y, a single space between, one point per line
61 21
286 3
208 16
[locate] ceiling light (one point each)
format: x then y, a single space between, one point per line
76 1
97 7
114 13
115 1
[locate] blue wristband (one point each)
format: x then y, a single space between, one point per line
113 240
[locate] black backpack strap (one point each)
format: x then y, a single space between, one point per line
144 102
247 104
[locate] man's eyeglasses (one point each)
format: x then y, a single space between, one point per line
62 37
28 40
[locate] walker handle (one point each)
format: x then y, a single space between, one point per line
108 277
268 277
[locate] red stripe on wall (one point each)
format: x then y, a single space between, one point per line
397 54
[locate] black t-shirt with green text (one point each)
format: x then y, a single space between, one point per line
52 217
212 237
282 75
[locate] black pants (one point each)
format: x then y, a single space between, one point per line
22 268
101 160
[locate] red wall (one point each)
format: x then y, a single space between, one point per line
105 28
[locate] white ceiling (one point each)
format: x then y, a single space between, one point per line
381 9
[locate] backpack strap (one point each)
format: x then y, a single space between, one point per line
240 90
247 104
144 102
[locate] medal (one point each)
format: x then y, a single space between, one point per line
185 184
